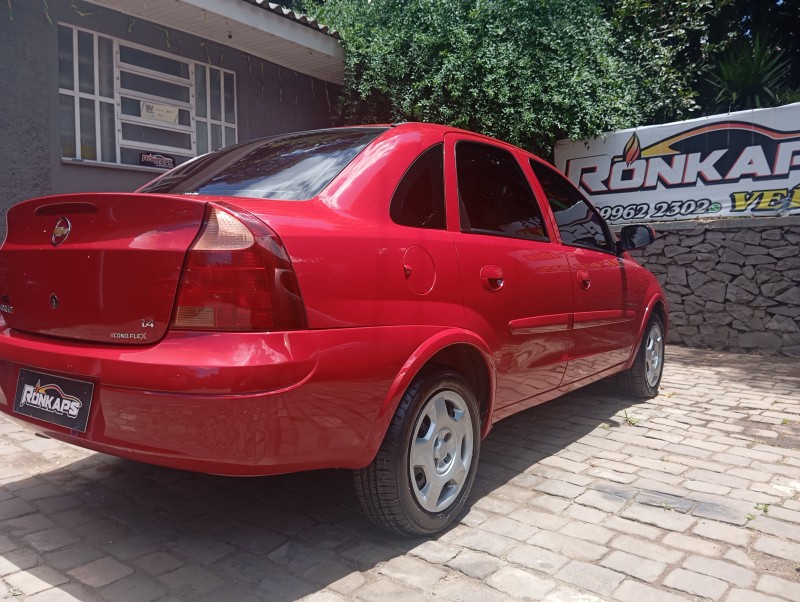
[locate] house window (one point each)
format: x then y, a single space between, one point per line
119 101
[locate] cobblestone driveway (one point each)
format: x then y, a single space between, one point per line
695 495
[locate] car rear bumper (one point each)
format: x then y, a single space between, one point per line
235 404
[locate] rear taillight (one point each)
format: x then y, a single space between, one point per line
237 277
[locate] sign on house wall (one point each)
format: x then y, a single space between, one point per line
739 164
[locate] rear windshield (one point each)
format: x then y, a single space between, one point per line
291 167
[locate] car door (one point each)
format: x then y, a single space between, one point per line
516 282
604 303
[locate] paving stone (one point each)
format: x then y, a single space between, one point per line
779 528
776 547
462 589
509 528
537 558
568 546
696 584
636 566
720 508
475 564
589 576
694 544
720 569
35 580
434 551
722 532
190 580
336 576
586 514
603 501
413 572
746 595
490 543
19 559
593 533
540 520
769 584
631 527
639 547
559 488
568 594
69 557
520 584
672 521
631 591
101 572
158 563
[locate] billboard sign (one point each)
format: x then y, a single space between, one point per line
739 164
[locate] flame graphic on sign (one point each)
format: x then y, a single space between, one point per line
633 149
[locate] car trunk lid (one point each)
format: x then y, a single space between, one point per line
96 267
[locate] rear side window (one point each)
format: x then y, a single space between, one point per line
494 195
419 199
289 167
578 222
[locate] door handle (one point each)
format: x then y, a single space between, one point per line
492 277
583 279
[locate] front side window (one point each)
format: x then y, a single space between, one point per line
494 195
120 103
578 222
288 167
418 200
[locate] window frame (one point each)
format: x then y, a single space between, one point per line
512 153
534 163
119 66
401 182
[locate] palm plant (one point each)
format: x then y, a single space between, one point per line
750 75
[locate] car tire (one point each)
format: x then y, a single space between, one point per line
423 472
643 378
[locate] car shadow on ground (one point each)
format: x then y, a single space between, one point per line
276 538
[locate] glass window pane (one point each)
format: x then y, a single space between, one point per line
494 194
65 75
155 87
578 222
143 134
230 99
105 59
86 62
290 166
154 62
108 142
202 137
230 136
67 111
418 200
201 92
216 137
88 134
216 98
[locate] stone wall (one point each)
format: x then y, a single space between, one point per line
731 283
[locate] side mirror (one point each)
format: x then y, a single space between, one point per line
635 237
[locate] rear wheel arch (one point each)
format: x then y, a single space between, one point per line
471 364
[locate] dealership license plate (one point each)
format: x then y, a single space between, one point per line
54 399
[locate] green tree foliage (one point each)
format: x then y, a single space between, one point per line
526 71
750 75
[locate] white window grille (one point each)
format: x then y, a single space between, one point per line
119 100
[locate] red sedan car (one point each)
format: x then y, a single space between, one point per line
371 298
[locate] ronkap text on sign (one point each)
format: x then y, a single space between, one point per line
745 163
